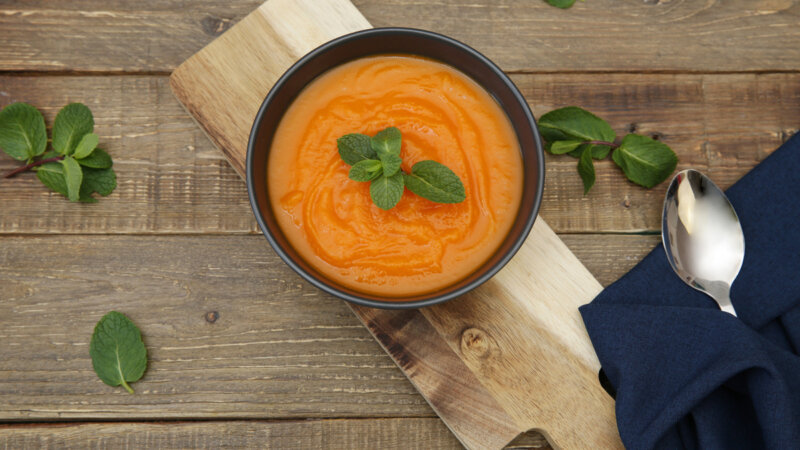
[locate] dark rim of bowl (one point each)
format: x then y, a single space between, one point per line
392 304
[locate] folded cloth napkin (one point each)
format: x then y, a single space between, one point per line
688 375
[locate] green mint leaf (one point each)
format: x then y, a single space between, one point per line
391 163
118 353
563 4
74 177
561 147
551 135
436 182
386 191
72 123
600 151
576 123
366 170
86 145
98 159
645 161
102 181
52 176
355 147
50 154
387 142
586 169
22 131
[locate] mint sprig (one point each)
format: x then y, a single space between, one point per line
576 132
377 160
75 167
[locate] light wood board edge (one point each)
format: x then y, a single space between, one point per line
224 102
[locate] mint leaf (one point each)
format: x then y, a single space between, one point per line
98 159
117 351
355 147
22 131
52 176
387 142
391 163
600 151
50 154
102 181
386 191
586 169
73 176
563 4
86 145
72 123
561 147
645 161
576 123
366 170
551 135
436 182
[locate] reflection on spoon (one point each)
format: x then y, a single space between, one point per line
702 236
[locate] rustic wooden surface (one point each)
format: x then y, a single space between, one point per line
507 358
718 81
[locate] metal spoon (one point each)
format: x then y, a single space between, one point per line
702 236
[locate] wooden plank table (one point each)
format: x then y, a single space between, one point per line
280 364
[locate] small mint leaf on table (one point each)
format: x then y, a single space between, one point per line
586 169
355 147
73 176
52 176
366 170
22 131
563 4
102 181
118 353
386 191
577 123
435 182
387 141
98 159
86 145
561 147
645 161
72 123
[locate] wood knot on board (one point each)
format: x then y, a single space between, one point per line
212 316
475 342
214 26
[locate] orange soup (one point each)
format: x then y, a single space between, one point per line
418 246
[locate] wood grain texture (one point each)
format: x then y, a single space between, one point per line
521 335
223 85
528 312
173 180
279 348
410 433
601 35
439 373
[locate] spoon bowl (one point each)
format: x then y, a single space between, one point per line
702 236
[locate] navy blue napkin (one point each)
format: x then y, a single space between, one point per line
688 375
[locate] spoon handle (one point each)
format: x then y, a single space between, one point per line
725 304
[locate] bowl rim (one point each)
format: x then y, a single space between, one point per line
394 304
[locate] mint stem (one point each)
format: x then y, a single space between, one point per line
32 165
127 388
610 144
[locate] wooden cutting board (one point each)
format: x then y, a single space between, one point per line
509 357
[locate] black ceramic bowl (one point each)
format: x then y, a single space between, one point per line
403 41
